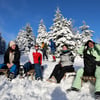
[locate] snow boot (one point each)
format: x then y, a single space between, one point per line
97 95
39 79
11 76
72 89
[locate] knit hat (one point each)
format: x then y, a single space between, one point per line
87 43
65 45
11 43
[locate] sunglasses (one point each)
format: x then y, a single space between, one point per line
36 46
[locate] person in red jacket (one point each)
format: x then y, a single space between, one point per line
35 57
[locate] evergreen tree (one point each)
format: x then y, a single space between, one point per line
2 45
61 31
86 34
42 33
82 37
25 39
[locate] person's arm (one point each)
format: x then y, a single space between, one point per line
6 57
9 65
80 50
98 47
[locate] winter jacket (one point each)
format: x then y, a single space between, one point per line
35 57
94 51
16 60
52 45
91 59
66 58
44 47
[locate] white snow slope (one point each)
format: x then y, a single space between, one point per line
27 89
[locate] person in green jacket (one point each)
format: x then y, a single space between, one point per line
91 57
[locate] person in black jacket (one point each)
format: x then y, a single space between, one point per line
11 60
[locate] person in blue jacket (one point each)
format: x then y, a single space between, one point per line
52 46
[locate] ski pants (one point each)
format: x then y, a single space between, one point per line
44 54
77 81
59 72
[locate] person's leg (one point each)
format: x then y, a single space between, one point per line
70 69
54 58
46 55
13 69
3 66
27 67
77 82
97 75
38 71
12 72
53 55
43 56
60 75
55 70
62 72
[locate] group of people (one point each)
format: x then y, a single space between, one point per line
12 59
44 48
90 52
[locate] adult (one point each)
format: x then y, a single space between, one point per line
44 50
35 57
91 54
52 46
11 60
65 65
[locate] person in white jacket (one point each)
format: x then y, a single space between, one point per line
35 61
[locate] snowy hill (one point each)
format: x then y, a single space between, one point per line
27 89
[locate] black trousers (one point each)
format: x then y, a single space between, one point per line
59 71
44 54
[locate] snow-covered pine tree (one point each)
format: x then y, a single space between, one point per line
86 34
42 33
2 45
61 31
25 39
78 40
82 37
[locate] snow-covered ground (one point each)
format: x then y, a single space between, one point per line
27 89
